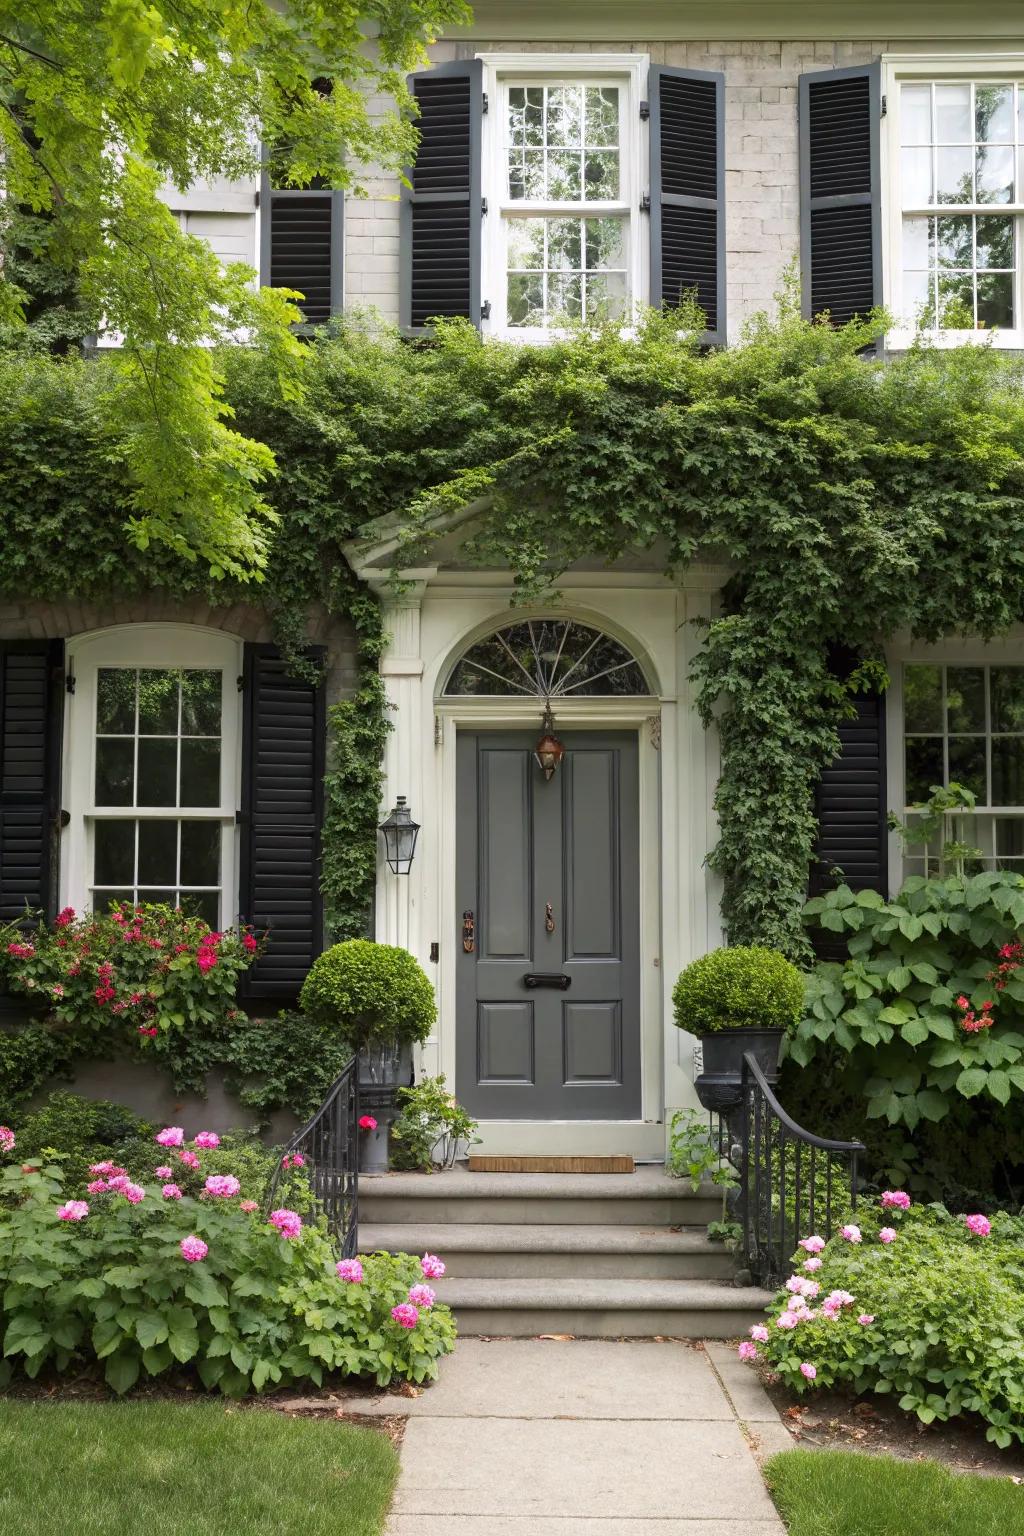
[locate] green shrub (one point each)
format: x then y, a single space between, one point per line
738 988
76 1132
283 1062
370 992
942 1310
29 1058
430 1126
929 1004
112 1283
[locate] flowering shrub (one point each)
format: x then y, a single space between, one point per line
147 1284
931 1308
151 968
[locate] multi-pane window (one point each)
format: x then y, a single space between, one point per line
961 191
565 208
158 822
965 725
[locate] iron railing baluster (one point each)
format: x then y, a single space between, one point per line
329 1144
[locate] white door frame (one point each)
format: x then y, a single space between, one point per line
431 620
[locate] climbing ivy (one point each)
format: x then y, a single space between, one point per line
850 497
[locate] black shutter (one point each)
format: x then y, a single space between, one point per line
687 109
442 207
851 805
302 247
840 208
30 730
282 797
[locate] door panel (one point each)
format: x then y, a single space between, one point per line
551 872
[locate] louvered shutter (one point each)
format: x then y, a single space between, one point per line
852 807
30 728
442 206
282 797
687 109
302 247
840 210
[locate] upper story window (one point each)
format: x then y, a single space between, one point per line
565 218
960 202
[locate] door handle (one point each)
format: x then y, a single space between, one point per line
555 979
468 933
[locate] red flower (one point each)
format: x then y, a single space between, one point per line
64 917
249 942
104 994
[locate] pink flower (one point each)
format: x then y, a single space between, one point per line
105 1167
786 1320
171 1192
794 1283
830 1309
170 1136
422 1296
7 1139
96 1187
65 916
887 1235
979 1225
248 1205
21 951
851 1233
293 1160
759 1333
163 1172
813 1264
206 1139
405 1315
133 1193
838 1299
866 1319
149 1030
288 1223
746 1350
350 1270
118 1182
809 1371
431 1266
73 1210
193 1249
189 1159
367 1123
896 1200
799 1286
57 991
812 1244
224 1185
249 942
206 959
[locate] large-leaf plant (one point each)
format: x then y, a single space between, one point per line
907 1002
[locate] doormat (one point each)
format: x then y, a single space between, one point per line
480 1163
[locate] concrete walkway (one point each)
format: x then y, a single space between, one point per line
535 1437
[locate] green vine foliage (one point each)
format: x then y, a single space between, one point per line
850 498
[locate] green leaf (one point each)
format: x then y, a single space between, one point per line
971 1082
999 1086
122 1371
899 977
915 1033
932 1104
150 1329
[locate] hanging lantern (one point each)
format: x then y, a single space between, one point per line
400 833
549 750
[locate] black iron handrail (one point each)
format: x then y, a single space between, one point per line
329 1147
789 1180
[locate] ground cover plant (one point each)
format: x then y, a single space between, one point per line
187 1469
841 1493
910 1301
140 1277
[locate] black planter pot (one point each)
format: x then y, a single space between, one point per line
720 1084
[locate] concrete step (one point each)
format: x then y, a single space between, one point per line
603 1308
648 1197
550 1252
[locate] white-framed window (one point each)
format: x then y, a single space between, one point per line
563 147
961 721
954 156
151 769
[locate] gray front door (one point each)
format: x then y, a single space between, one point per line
548 914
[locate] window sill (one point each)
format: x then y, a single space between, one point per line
902 338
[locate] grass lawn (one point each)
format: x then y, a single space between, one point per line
843 1493
187 1469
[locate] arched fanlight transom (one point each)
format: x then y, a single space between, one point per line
548 659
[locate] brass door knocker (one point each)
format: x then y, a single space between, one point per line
468 933
549 918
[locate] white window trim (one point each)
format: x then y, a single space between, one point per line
1006 651
897 68
145 645
629 70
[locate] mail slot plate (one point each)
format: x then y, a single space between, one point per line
554 979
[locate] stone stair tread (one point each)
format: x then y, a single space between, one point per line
645 1183
602 1295
480 1237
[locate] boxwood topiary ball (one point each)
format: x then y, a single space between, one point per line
370 992
745 987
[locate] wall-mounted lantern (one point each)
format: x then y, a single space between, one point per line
400 833
549 750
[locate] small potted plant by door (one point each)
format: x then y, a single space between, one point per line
381 1003
744 998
